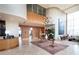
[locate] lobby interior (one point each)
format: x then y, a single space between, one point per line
24 29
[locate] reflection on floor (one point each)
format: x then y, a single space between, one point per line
31 49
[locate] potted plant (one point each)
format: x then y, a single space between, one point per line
50 33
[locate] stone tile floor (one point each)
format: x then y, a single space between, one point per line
30 49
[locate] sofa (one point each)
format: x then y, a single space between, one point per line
73 38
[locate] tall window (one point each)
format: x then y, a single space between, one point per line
73 23
60 26
37 9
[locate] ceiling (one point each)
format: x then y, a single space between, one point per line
60 6
67 8
4 16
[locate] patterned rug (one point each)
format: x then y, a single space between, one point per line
46 45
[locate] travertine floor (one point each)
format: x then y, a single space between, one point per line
31 49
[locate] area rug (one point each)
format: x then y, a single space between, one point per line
46 46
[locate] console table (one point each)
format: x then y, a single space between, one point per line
8 43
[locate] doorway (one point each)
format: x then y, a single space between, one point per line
30 35
20 37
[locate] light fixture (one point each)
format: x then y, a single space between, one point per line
7 32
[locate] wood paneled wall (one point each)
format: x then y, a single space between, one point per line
37 30
33 17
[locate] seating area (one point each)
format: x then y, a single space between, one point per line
69 38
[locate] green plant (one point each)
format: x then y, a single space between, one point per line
50 33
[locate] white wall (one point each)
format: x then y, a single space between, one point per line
10 12
12 28
14 9
53 15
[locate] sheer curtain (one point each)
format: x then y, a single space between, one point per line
73 24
